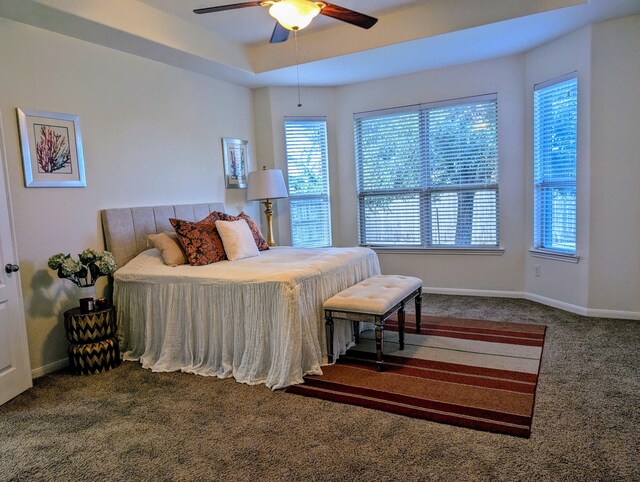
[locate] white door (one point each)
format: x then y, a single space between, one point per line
15 370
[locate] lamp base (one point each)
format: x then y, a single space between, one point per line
268 214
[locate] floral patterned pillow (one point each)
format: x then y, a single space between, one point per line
261 243
222 216
200 241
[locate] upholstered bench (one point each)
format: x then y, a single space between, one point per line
374 300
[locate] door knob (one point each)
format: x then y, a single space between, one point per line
11 268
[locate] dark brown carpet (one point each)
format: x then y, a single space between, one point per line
130 424
470 373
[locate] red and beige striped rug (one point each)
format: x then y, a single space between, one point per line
471 373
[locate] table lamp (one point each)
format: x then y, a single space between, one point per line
265 185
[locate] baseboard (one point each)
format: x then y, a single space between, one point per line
561 305
49 368
624 315
465 292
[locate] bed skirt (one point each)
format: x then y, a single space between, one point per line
269 331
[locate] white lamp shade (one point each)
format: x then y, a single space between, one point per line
266 184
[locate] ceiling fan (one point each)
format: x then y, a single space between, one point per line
297 14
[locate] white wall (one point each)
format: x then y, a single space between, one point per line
606 280
272 106
461 272
614 274
452 271
562 281
151 135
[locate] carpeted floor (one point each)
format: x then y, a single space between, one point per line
131 424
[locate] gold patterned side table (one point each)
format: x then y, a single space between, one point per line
94 347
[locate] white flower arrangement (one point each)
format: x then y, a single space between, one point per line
85 271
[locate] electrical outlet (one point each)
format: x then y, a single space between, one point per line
537 267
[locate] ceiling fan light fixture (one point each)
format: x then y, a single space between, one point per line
294 14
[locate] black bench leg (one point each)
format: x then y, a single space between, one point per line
418 310
356 331
379 342
401 326
329 322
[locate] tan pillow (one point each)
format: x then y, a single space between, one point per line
169 246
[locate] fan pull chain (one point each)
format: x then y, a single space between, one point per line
295 37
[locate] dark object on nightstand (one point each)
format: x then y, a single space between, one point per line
94 347
101 303
86 305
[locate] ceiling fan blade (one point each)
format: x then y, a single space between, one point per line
222 8
349 16
280 34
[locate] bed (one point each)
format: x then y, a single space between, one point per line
258 320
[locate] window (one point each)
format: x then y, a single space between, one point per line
308 172
555 126
427 175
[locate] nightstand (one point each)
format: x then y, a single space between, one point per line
94 347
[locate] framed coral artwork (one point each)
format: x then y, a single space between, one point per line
51 149
236 161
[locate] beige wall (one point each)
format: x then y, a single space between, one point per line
451 271
460 272
606 280
151 135
272 106
614 279
561 281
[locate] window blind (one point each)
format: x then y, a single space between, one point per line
427 175
308 178
555 113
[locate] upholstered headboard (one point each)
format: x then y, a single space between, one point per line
126 229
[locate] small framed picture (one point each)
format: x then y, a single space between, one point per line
51 149
236 162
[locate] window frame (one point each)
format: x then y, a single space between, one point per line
324 197
540 219
425 191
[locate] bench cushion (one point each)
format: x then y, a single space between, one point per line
375 295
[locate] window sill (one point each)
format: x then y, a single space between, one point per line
406 250
567 258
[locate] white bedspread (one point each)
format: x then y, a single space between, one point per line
259 320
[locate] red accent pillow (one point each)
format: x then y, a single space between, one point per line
261 243
200 240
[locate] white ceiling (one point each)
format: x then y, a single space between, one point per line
254 25
233 45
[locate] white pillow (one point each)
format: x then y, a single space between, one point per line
237 239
